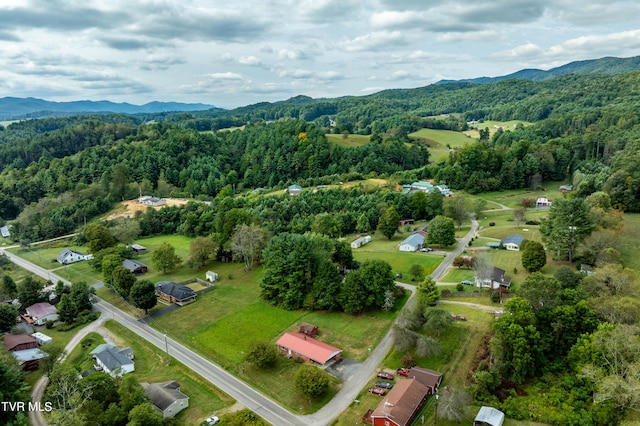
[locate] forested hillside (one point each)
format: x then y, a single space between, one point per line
57 173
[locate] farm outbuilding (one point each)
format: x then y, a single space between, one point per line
360 242
211 276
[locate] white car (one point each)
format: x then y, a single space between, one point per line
212 420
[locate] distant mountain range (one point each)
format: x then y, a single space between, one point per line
22 108
608 65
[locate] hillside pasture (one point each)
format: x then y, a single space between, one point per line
440 142
493 127
349 141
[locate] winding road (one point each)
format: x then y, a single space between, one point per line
266 408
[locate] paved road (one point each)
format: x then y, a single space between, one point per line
253 400
38 270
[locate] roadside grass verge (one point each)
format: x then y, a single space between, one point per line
151 366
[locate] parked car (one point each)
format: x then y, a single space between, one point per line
212 420
403 372
466 282
385 385
426 249
377 391
386 376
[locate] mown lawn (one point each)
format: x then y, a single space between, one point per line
455 275
513 197
151 366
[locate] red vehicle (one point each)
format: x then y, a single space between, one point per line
386 376
403 372
377 391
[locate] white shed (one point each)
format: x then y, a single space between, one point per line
41 338
211 276
489 416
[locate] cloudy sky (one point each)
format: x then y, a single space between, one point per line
237 52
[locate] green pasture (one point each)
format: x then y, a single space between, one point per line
513 197
441 142
349 141
629 241
508 126
455 275
151 366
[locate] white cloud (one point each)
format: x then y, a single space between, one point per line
372 41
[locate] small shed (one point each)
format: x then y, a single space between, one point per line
41 338
135 267
489 416
308 329
137 248
211 276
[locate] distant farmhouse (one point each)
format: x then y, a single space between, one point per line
413 242
67 256
152 201
512 242
542 202
426 186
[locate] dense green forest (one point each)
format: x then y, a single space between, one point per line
57 173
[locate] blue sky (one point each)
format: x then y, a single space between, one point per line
235 53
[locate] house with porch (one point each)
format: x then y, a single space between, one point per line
512 242
401 405
496 279
543 202
175 293
308 349
67 256
40 313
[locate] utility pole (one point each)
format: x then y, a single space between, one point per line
166 348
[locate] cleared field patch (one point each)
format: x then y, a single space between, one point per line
349 141
440 142
455 275
493 127
629 241
513 197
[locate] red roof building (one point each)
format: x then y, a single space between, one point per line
298 345
430 378
19 342
401 404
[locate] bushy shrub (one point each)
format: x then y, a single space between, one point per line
49 324
492 224
460 287
445 293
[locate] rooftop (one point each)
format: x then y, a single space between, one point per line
308 347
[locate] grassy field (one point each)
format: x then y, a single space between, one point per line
349 141
455 275
441 142
513 197
491 125
151 366
629 241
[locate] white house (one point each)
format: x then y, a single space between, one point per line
211 276
152 201
115 362
496 280
166 397
413 242
42 312
360 242
67 256
5 232
543 202
512 242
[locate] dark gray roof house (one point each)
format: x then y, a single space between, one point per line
115 362
166 397
134 266
175 293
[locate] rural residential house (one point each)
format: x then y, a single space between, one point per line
115 362
401 405
360 242
67 256
413 242
308 349
489 416
565 188
166 397
29 359
294 190
135 267
152 201
495 280
40 313
4 231
512 242
430 378
175 293
19 342
542 202
422 186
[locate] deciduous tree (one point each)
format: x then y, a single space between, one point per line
311 381
247 243
123 280
389 222
67 309
262 354
8 317
534 257
441 231
200 250
143 295
568 224
165 257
